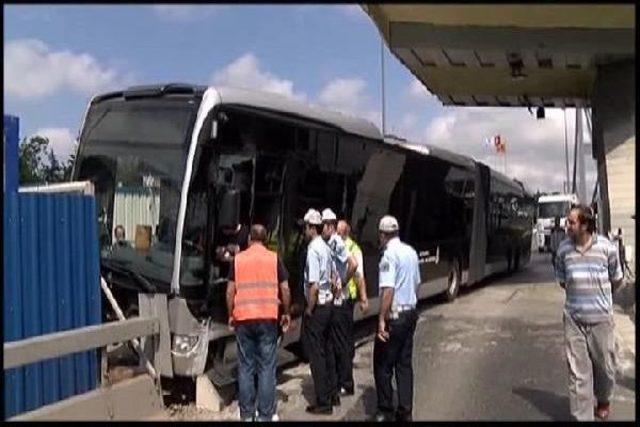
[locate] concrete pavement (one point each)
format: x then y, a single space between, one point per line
496 353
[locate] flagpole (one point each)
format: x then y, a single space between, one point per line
504 153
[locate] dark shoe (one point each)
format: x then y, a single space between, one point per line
403 417
335 400
320 410
602 411
347 392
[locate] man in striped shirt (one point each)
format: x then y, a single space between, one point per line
588 269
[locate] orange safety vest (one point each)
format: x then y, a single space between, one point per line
256 277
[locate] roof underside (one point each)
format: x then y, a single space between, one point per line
507 55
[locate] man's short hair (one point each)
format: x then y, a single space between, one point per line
585 216
347 226
317 227
258 233
390 234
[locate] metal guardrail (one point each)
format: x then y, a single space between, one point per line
48 346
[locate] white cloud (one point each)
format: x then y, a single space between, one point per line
343 94
185 13
535 148
418 91
61 140
245 72
32 70
349 96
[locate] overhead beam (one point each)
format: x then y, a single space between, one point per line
524 16
553 40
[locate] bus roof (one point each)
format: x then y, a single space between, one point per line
430 150
558 198
451 157
274 102
256 99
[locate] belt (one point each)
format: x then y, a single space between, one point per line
324 297
395 314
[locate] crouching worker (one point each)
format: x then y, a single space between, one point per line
252 302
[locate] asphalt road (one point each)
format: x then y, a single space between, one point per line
495 353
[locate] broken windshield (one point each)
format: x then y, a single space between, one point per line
135 152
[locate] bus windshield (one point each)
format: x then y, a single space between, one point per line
134 152
553 209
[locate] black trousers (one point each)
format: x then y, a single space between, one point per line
343 344
395 355
318 346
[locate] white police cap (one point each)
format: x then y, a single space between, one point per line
388 224
313 217
329 215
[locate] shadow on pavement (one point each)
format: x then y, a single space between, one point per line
554 405
626 296
627 382
365 407
537 271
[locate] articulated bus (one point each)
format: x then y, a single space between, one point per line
174 164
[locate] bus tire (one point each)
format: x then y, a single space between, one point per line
453 281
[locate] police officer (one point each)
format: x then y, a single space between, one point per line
398 281
342 325
318 315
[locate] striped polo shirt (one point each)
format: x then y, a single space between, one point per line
588 278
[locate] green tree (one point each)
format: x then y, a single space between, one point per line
39 164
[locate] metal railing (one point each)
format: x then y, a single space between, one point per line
36 349
43 347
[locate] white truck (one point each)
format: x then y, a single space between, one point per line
549 207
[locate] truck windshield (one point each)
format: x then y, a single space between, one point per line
134 152
553 209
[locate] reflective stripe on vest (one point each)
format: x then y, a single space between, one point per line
256 277
353 249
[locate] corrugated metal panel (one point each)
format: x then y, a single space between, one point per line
136 206
51 283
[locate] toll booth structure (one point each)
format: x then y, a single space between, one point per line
536 56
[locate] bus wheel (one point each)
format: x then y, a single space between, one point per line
453 281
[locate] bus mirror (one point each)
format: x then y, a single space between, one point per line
229 213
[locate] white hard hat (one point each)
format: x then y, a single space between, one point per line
388 224
313 217
329 215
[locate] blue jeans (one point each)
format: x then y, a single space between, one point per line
257 355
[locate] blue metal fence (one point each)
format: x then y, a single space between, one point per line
51 283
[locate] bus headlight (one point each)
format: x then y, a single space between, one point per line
184 343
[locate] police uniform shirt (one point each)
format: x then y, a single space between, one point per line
399 270
318 269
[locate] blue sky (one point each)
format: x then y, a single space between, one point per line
57 57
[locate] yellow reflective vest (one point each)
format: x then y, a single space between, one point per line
354 250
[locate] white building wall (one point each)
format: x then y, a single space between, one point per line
136 206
